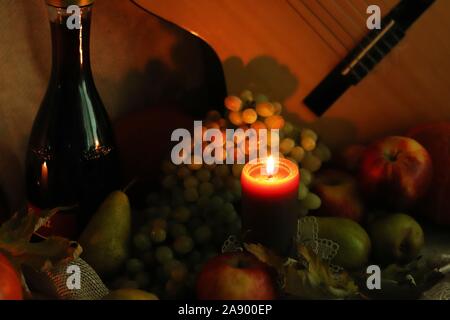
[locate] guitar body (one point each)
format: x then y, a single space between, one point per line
285 48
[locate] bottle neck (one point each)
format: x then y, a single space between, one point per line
70 47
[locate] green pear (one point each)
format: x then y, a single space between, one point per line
106 238
396 238
353 240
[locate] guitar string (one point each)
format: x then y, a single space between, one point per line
333 34
346 31
312 28
353 71
353 6
355 24
324 24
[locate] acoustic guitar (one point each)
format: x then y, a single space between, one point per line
320 58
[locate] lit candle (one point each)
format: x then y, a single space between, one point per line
269 194
44 176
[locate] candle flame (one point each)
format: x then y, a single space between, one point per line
270 166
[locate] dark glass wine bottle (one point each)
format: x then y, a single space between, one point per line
72 158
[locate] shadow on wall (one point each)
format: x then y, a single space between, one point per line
161 84
266 75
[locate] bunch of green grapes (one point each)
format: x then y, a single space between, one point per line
185 225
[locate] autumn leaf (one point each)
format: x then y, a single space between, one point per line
15 235
309 277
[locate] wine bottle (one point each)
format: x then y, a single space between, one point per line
71 158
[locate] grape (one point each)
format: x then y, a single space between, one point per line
183 244
237 190
297 153
278 107
169 181
142 242
265 109
258 125
134 265
222 170
181 214
143 279
203 175
213 115
287 145
158 235
235 118
217 182
163 254
190 182
168 167
183 172
233 103
274 122
247 96
206 189
322 152
202 234
223 123
308 133
177 229
302 191
305 176
261 98
178 272
212 125
159 223
288 129
312 201
236 169
226 213
231 216
191 195
227 196
215 203
249 116
308 143
311 162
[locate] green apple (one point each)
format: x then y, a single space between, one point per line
396 238
353 240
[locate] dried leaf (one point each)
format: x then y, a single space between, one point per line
15 235
312 279
265 255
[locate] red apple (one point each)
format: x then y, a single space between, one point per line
339 194
10 284
235 276
395 172
436 139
